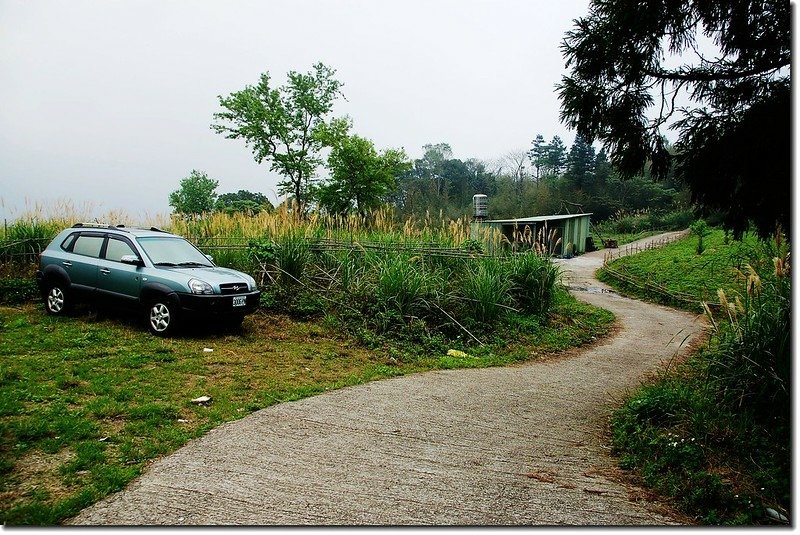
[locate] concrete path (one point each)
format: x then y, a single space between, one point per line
520 445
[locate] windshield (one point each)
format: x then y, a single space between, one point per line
173 252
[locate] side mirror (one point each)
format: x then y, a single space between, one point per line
211 258
132 260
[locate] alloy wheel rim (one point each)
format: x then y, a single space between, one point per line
55 300
159 317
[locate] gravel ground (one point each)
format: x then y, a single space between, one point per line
519 445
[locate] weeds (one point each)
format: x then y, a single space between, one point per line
88 402
486 288
715 433
534 279
701 229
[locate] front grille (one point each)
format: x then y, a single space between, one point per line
234 288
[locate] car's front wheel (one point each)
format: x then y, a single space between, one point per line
162 317
56 300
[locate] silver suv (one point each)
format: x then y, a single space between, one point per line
159 273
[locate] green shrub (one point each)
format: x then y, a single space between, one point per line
751 364
401 286
700 229
16 291
725 412
292 255
485 287
473 246
678 220
533 282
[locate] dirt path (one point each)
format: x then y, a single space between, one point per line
517 445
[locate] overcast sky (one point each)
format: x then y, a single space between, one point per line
108 104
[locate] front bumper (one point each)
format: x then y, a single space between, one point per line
219 305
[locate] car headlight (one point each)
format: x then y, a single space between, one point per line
200 287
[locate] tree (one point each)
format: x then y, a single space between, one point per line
555 158
513 164
243 201
281 124
481 180
430 165
361 178
733 150
537 155
602 169
580 164
196 195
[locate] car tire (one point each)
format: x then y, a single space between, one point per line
161 317
57 301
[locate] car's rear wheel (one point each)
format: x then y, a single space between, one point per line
57 301
162 317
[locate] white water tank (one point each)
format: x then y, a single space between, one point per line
481 204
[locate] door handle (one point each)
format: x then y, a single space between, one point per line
105 271
68 264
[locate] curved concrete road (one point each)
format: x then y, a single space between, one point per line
520 445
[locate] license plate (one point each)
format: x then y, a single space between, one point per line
239 300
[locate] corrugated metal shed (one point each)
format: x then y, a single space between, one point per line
562 234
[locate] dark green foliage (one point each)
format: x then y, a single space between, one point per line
243 201
196 195
16 291
715 432
733 150
485 286
281 124
580 164
533 282
741 166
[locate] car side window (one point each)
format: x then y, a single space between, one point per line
88 245
67 243
117 248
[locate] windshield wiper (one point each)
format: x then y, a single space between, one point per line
198 264
165 264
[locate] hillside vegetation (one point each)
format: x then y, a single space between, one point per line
713 432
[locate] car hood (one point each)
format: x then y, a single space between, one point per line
212 275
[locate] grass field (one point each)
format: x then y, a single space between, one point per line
682 272
86 401
713 433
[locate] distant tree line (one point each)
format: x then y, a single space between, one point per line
197 195
548 178
325 166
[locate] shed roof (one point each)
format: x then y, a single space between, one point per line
538 218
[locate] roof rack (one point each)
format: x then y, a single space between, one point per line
98 225
115 227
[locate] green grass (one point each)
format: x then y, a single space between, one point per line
713 432
86 401
677 267
718 464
